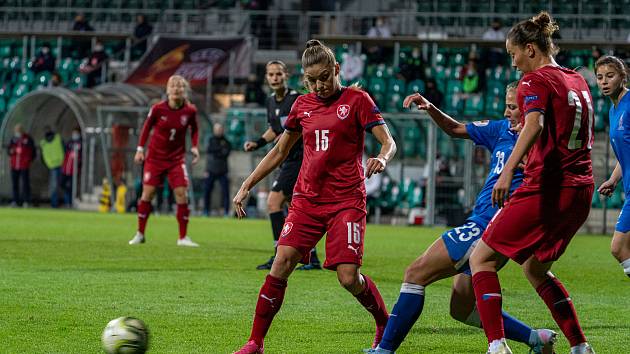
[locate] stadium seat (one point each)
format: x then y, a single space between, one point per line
396 85
393 102
12 103
495 106
42 78
601 114
20 90
473 106
415 86
377 85
616 200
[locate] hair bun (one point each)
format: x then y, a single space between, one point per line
313 43
547 25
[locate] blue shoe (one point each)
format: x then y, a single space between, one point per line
378 350
310 266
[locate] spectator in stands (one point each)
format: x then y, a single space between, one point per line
494 55
71 165
22 153
412 66
380 29
52 154
141 32
219 149
55 80
470 76
94 65
81 24
433 94
44 61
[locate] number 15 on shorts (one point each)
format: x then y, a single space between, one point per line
354 233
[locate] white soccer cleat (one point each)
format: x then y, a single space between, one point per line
186 241
583 348
544 341
499 346
137 239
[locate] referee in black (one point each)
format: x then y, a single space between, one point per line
278 108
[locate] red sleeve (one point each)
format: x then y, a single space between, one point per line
146 128
369 114
535 94
293 120
194 128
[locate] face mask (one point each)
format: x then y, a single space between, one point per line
45 50
76 136
98 48
17 135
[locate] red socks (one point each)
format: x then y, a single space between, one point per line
489 302
269 302
371 299
559 303
182 219
144 210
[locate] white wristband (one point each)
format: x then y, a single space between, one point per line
140 149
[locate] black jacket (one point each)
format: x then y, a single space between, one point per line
218 151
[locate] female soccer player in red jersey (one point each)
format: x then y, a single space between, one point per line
541 217
612 78
329 196
170 121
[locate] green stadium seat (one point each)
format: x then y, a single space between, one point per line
453 87
27 77
616 200
495 106
457 59
415 86
5 91
42 78
601 113
5 51
440 59
12 103
473 106
377 85
20 90
414 200
393 102
396 85
445 145
3 107
495 88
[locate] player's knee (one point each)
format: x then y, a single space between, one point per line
348 280
617 250
415 273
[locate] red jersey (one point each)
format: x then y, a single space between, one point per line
333 131
22 152
561 156
168 141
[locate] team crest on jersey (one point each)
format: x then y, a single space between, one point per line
342 111
183 120
286 229
481 123
620 126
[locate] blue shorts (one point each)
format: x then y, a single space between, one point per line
460 242
623 223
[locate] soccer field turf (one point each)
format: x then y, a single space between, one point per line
64 275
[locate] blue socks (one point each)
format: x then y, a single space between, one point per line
403 316
515 329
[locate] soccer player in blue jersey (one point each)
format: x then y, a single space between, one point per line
612 78
448 255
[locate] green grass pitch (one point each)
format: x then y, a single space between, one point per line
64 275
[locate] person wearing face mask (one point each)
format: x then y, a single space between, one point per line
71 160
93 67
52 154
22 153
44 61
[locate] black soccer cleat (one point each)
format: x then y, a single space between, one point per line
266 265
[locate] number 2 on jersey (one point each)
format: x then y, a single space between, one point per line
321 140
574 101
171 137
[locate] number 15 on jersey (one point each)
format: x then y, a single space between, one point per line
321 139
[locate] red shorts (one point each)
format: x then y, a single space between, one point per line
539 224
156 170
344 223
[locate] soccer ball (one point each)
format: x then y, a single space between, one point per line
125 335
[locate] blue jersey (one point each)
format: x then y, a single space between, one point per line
499 139
620 137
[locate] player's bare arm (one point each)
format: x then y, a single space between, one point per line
534 123
449 125
270 162
139 157
377 164
608 187
195 152
268 136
